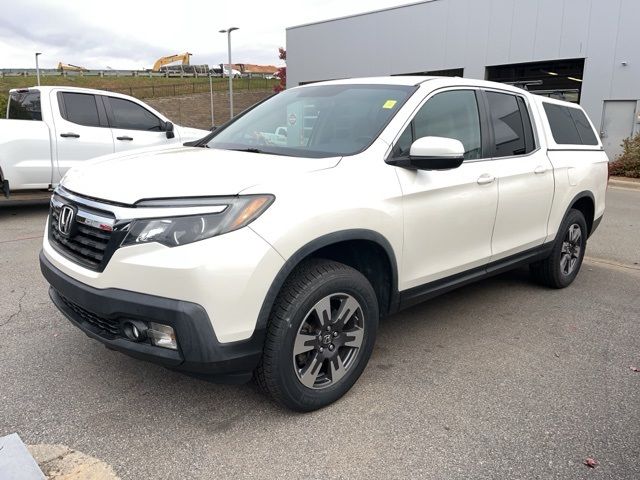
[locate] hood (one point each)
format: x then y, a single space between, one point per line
183 172
188 134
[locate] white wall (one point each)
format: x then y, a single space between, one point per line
473 34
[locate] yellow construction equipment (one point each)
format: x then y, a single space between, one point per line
184 57
67 67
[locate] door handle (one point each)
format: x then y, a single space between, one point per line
539 170
125 138
486 179
69 135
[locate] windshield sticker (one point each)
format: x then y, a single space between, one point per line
292 119
389 104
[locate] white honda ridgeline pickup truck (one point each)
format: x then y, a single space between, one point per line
272 247
51 129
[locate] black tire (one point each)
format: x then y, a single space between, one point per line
311 283
553 271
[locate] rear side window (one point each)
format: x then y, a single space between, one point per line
131 116
25 105
569 126
512 130
80 108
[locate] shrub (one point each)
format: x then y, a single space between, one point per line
628 164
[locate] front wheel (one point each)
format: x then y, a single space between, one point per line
560 269
320 335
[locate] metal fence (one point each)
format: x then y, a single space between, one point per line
218 84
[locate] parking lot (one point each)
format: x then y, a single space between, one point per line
501 379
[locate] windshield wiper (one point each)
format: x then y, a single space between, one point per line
250 150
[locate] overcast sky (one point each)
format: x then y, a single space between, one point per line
132 34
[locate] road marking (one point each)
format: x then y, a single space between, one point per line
19 239
612 263
626 189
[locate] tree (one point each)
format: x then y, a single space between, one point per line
282 71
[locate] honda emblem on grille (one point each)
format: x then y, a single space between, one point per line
65 220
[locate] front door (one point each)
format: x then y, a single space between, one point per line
448 215
618 117
133 126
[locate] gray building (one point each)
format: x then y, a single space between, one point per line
586 51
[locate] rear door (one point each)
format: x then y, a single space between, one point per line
524 172
27 163
81 129
134 126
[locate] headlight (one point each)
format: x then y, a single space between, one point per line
173 231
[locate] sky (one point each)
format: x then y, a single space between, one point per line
132 34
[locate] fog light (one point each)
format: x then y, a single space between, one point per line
135 330
162 336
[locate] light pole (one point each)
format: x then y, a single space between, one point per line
229 70
37 67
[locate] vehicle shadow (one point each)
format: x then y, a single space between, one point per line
211 407
19 207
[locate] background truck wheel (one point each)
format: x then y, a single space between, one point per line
562 266
320 335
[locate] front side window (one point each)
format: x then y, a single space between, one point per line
80 108
511 125
25 105
452 114
131 116
315 121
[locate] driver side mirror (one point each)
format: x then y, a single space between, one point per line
432 153
168 127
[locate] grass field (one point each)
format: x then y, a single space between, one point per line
140 87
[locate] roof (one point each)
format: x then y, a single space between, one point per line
411 80
361 14
250 68
391 80
48 88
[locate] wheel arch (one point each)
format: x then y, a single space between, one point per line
585 203
342 247
4 185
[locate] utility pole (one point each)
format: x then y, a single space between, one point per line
37 67
229 69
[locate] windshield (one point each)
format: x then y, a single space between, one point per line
315 121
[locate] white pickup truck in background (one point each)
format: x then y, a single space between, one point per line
51 129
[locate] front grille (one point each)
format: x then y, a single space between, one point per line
87 244
105 324
89 241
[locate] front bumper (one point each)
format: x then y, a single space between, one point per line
199 351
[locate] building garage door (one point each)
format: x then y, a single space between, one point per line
561 79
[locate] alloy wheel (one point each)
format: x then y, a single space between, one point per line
328 341
571 248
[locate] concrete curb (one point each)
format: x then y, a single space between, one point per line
624 183
59 462
16 463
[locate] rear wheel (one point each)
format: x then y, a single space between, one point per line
560 269
320 335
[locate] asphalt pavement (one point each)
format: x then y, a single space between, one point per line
500 379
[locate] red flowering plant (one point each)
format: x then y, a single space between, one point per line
282 72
